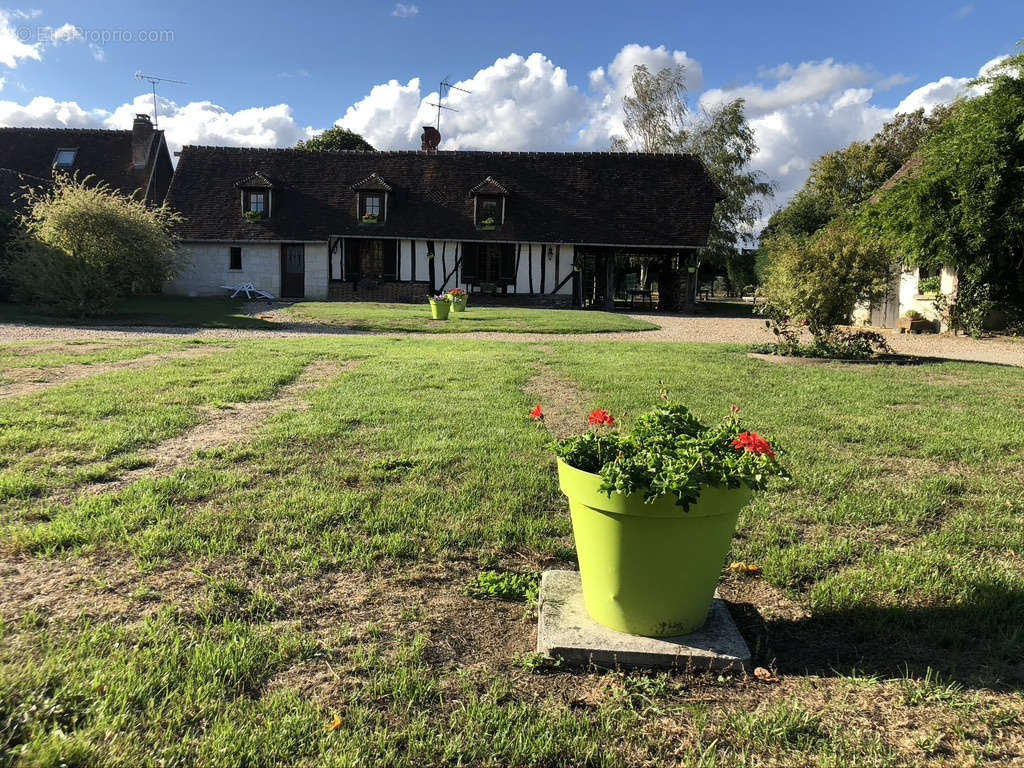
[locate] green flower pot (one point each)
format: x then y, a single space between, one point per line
439 309
459 303
649 569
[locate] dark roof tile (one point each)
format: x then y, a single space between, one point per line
595 198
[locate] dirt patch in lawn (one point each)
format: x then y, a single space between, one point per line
471 645
231 424
27 381
564 403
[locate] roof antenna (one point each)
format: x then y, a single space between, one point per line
153 80
444 86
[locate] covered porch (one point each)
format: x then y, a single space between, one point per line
635 279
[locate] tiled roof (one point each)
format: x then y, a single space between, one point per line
12 188
488 187
106 155
594 198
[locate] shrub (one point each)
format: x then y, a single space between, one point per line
818 280
85 246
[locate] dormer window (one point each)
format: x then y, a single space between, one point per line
488 211
372 208
490 201
65 158
372 195
257 196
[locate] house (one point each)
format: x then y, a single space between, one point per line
135 161
924 292
533 227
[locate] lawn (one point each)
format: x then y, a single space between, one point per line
415 318
150 310
260 553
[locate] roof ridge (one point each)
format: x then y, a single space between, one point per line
67 129
377 153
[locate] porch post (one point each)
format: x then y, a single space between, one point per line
609 282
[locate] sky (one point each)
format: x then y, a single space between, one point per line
541 75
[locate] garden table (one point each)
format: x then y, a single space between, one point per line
248 289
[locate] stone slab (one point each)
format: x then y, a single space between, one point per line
567 632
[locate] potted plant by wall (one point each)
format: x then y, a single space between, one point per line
440 305
369 218
253 217
488 223
654 511
459 298
914 322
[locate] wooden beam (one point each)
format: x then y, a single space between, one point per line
530 257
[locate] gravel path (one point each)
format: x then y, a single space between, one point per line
673 329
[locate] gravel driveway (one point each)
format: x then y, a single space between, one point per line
686 329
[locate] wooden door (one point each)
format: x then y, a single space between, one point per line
293 271
885 312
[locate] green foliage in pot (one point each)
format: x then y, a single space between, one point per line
670 452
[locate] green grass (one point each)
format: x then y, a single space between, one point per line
300 597
415 318
174 311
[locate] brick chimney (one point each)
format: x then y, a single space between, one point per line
431 139
142 139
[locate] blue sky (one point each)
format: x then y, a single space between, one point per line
267 73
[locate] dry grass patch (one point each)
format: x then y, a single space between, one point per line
27 381
563 401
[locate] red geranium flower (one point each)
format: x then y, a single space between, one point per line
537 414
601 418
754 443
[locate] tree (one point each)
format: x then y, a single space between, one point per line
655 110
842 180
963 205
725 143
657 121
334 140
83 246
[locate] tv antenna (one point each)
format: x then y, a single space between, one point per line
153 80
444 87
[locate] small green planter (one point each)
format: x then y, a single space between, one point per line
649 569
459 303
439 309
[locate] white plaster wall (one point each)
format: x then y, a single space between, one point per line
261 265
911 299
208 269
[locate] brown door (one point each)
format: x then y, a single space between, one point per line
293 271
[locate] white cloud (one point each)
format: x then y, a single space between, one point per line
33 13
14 45
385 117
193 123
44 112
66 33
807 82
98 53
405 11
3 82
963 11
516 103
